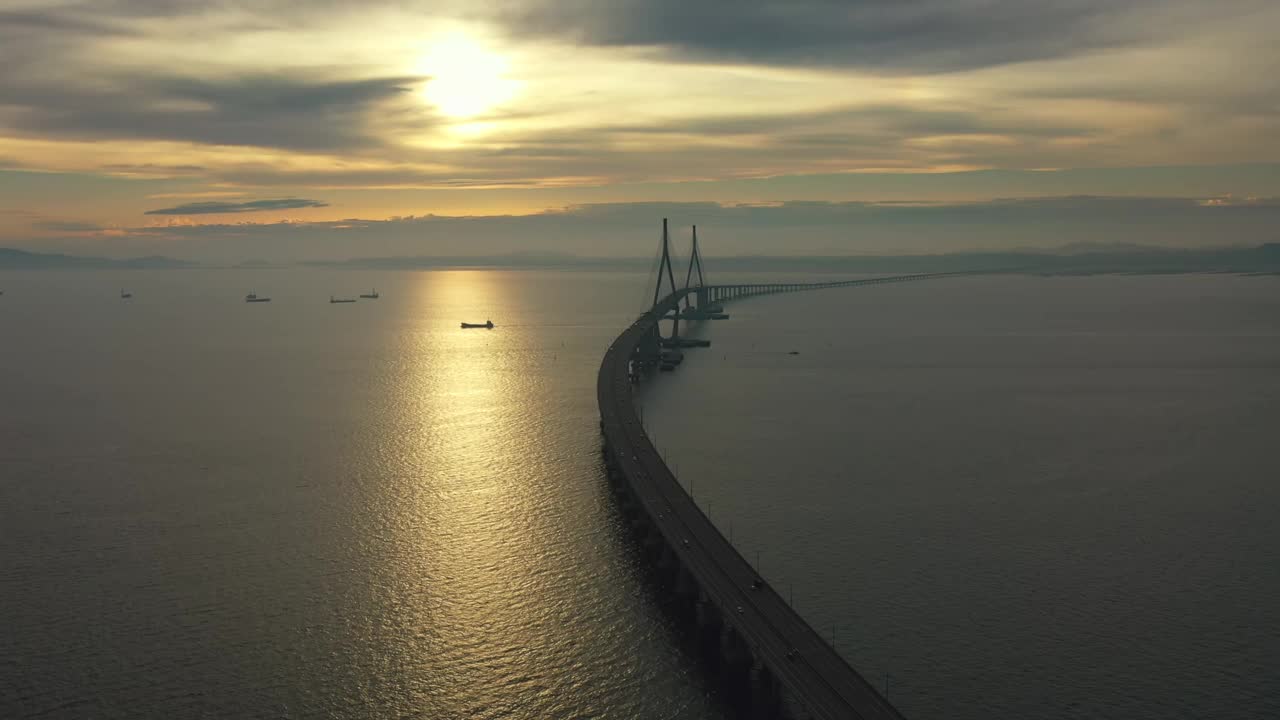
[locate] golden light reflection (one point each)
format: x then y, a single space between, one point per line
465 534
469 508
466 379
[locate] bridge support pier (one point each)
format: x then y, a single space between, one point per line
710 627
766 693
648 353
737 657
686 588
668 561
639 522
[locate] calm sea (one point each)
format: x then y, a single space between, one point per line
1017 497
1014 496
298 509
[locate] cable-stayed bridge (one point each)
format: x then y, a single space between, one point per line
791 668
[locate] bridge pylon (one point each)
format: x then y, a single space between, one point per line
695 262
671 278
707 307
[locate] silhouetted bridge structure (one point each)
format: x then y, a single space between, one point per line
789 665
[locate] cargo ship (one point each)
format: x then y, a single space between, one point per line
486 324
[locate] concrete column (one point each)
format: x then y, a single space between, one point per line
686 588
766 693
710 627
668 560
735 650
653 541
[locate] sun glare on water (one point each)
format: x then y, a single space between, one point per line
465 78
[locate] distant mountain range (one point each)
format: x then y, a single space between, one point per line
1075 259
11 259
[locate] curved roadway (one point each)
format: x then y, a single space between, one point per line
812 672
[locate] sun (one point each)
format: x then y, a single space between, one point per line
465 78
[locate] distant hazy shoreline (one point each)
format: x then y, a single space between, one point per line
1261 259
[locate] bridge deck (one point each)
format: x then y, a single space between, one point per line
817 677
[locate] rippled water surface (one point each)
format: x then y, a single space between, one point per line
1017 497
299 509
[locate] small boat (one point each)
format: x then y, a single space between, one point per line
486 324
333 299
253 297
125 295
370 295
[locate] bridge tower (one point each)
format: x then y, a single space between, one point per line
695 261
671 278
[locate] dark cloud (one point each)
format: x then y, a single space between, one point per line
54 83
885 35
52 20
296 112
217 208
33 39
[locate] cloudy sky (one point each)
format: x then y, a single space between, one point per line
281 128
